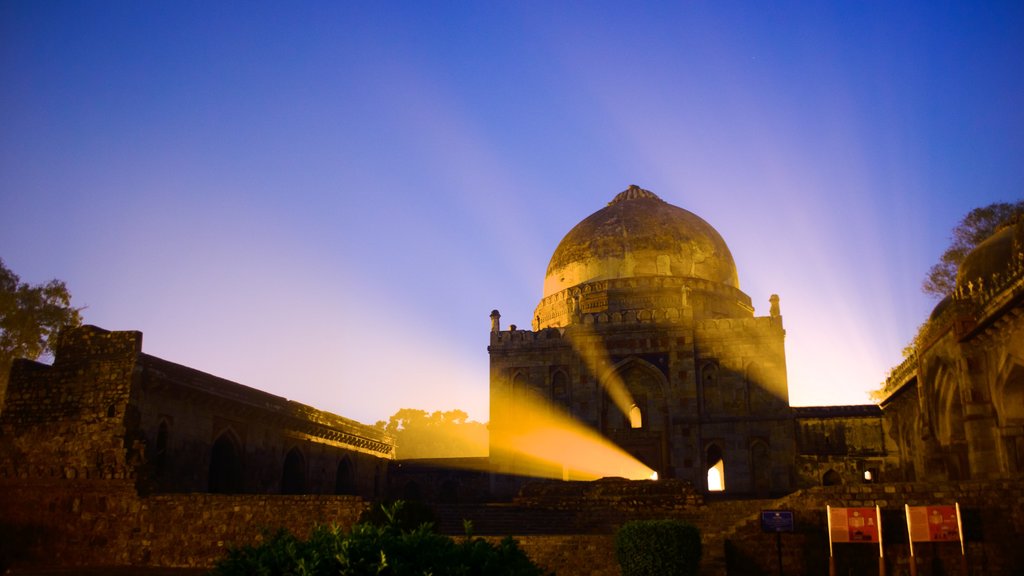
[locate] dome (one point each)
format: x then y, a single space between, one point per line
639 234
992 256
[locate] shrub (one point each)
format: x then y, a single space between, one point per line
381 548
658 548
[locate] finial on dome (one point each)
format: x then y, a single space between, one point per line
634 192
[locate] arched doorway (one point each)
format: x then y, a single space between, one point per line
293 478
715 468
225 465
344 479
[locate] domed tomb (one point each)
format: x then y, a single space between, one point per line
639 242
999 256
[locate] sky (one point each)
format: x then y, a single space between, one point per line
325 200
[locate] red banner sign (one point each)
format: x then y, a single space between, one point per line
933 524
853 525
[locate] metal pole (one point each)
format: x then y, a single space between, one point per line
910 539
828 527
778 548
963 547
881 549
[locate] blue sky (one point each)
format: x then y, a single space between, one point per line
325 200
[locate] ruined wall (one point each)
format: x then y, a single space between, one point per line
844 445
84 440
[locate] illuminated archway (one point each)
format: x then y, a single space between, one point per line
715 468
636 419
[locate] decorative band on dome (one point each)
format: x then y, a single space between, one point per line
634 192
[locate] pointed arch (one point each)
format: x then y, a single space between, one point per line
641 386
344 478
711 393
293 476
636 418
715 466
225 474
559 385
1009 397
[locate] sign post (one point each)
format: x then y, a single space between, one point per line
777 521
935 524
854 525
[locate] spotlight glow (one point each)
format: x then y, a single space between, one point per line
589 348
538 439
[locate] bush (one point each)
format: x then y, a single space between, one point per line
658 548
384 548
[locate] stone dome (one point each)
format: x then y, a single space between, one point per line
993 256
639 234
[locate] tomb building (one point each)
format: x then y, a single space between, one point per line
644 335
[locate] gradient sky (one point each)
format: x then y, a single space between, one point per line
325 200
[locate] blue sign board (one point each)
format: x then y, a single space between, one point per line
776 520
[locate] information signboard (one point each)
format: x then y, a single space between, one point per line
776 520
933 523
858 525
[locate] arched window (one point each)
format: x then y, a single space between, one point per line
635 417
344 480
293 478
559 385
831 478
715 468
225 465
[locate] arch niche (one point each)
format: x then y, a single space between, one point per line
634 411
344 479
225 475
293 477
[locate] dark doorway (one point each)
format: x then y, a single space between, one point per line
344 480
225 465
293 479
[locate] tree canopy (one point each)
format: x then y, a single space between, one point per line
975 227
419 434
30 319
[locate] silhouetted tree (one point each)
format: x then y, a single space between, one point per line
975 227
30 318
419 434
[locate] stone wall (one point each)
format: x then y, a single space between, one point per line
993 514
104 523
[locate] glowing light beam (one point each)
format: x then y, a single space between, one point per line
540 440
